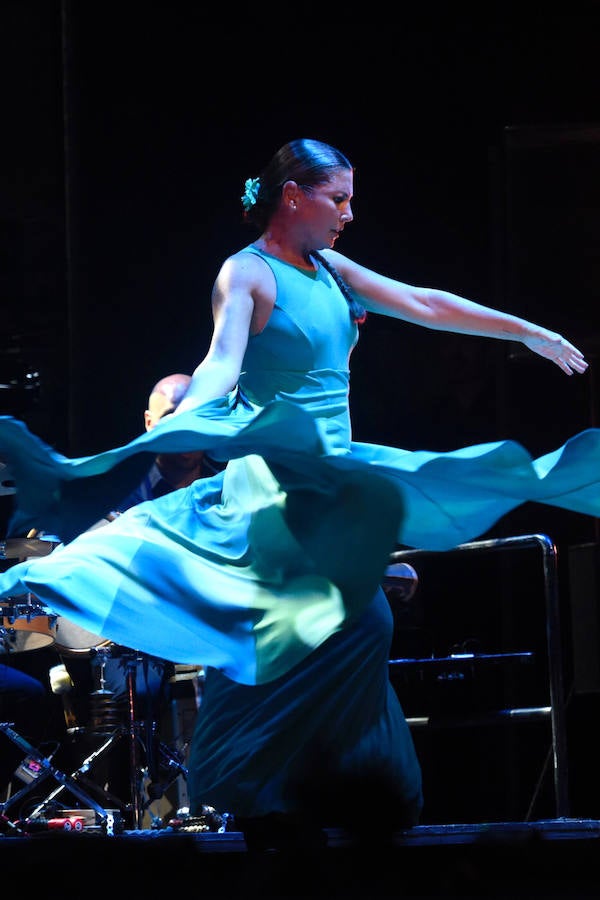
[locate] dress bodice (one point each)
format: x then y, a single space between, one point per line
303 352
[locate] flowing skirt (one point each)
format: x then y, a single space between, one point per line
252 569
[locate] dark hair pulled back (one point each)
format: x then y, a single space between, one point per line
309 163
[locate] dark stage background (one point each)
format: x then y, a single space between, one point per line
129 129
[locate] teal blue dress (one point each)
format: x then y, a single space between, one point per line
252 569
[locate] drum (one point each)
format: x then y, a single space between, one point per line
25 626
400 581
26 548
71 640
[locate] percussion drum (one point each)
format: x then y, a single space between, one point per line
25 626
71 640
400 581
26 548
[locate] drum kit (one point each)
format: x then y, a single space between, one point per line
27 625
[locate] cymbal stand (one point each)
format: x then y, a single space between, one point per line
131 660
135 780
165 756
106 818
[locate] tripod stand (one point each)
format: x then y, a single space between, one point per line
144 746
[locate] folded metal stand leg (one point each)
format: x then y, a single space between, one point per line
79 776
66 781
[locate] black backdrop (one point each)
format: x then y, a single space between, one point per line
133 126
129 129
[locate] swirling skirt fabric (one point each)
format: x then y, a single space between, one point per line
250 570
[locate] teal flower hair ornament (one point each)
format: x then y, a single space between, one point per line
250 195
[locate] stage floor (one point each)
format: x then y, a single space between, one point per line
557 858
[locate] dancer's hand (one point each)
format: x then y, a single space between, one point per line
559 350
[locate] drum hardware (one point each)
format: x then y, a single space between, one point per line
143 735
17 631
106 719
148 758
46 769
25 626
135 775
155 751
79 776
158 756
105 712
